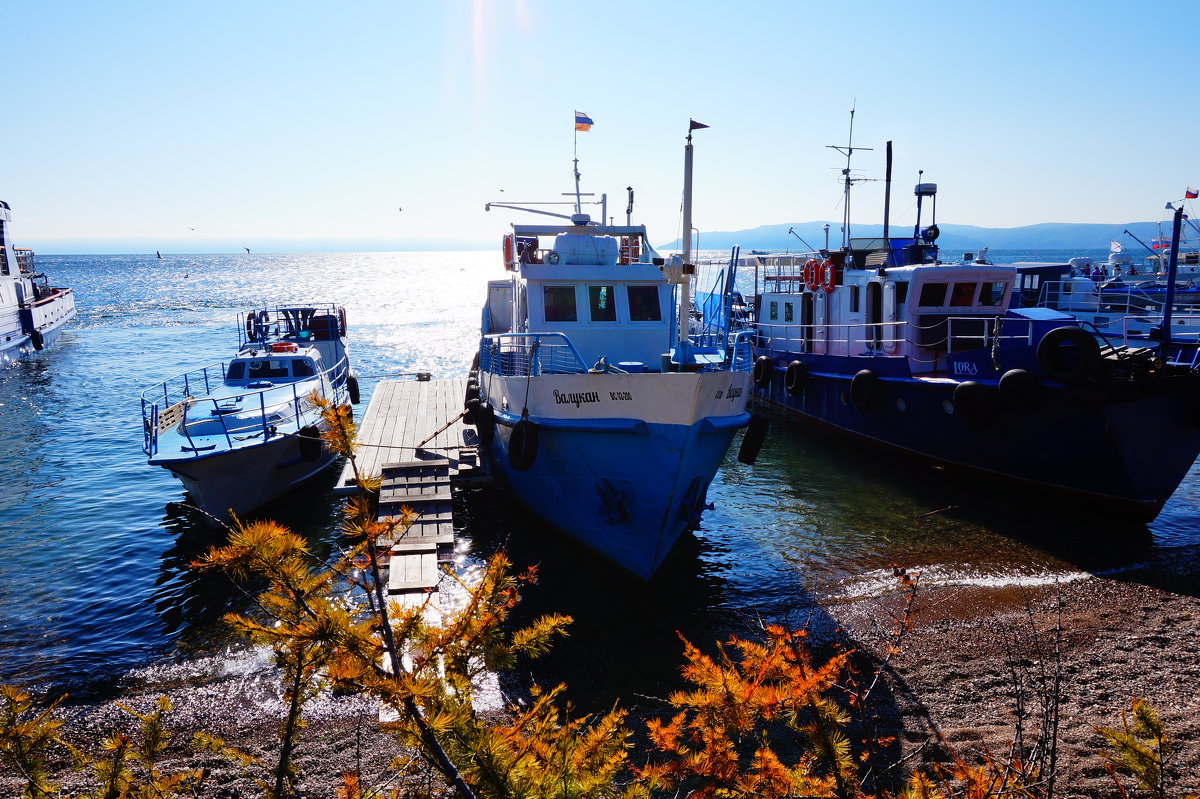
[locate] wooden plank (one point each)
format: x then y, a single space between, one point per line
415 571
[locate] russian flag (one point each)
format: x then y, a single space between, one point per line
583 121
1190 194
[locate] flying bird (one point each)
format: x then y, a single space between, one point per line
247 249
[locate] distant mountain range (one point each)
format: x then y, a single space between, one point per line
1046 236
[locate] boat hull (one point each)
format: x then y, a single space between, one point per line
1128 449
623 481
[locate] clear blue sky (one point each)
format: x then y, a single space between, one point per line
292 125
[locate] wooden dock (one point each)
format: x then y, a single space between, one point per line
414 438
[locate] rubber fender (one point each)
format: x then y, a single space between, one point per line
1068 355
471 410
1020 389
485 424
309 438
37 340
352 389
865 390
975 403
752 441
762 371
795 377
522 445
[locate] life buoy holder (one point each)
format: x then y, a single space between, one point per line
865 390
508 251
1068 355
522 445
811 279
794 378
828 275
309 439
762 371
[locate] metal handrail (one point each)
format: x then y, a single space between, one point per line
529 354
801 334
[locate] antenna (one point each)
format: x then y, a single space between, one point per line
847 151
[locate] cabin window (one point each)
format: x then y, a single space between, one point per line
559 303
991 293
854 299
774 310
602 304
901 292
962 295
933 294
788 314
303 368
643 304
266 368
237 370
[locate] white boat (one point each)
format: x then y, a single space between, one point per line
32 312
597 404
242 433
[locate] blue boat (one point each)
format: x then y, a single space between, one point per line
882 341
241 433
600 406
32 312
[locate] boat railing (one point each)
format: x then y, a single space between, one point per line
318 321
529 355
945 335
741 351
260 411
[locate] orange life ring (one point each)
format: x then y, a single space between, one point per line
342 322
829 273
811 276
508 252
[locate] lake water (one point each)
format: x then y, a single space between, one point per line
95 586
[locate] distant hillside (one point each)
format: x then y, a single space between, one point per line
1049 235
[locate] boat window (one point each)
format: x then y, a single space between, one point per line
854 299
774 310
559 303
267 368
933 294
643 304
991 293
601 304
962 295
901 291
303 368
787 312
237 370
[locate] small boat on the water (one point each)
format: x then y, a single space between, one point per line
882 340
242 433
602 407
32 312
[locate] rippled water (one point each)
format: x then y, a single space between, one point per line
94 582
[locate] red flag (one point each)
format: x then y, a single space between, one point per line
1191 193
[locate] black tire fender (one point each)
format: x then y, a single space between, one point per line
1020 389
522 445
309 439
752 440
37 339
975 403
764 367
352 389
795 377
485 424
865 390
1068 355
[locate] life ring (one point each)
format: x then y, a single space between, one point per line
794 378
341 322
931 233
752 441
552 257
975 403
829 275
811 279
1020 389
485 424
352 389
1068 355
865 390
250 326
522 445
508 252
37 339
309 439
764 367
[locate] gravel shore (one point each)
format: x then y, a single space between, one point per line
965 650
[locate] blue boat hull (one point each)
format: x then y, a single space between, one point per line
1129 452
626 494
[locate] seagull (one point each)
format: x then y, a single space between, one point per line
399 209
247 249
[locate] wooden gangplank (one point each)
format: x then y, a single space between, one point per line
413 438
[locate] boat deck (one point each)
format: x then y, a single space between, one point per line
414 438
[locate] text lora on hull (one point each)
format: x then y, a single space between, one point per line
242 432
32 312
882 340
604 402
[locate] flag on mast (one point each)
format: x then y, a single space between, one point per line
1191 193
583 121
694 125
1114 246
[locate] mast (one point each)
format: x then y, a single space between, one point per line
685 287
847 180
887 198
1172 263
